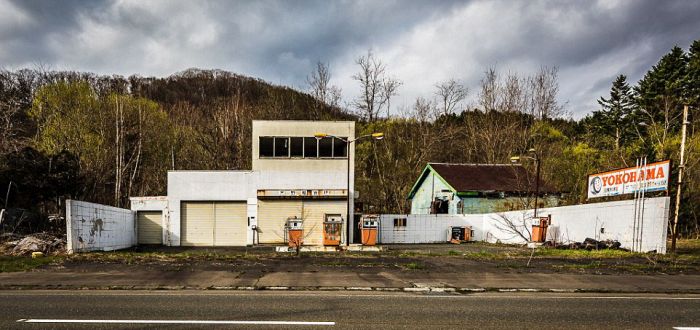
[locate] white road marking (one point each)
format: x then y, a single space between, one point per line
687 328
174 322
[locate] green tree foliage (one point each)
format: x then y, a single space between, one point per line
125 133
39 180
615 120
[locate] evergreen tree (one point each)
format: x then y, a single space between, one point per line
693 75
661 91
615 117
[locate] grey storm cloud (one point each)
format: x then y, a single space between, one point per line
421 42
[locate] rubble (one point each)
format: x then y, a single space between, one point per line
48 244
587 244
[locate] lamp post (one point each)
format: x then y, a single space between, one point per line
536 158
376 136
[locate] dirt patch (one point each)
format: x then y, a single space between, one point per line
434 258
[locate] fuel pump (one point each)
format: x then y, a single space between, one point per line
539 230
295 232
368 230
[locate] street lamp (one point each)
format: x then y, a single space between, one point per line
375 136
536 158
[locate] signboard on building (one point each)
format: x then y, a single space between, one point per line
651 177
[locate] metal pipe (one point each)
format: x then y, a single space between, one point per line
636 195
350 199
537 181
641 219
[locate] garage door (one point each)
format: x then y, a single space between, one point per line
214 224
150 229
272 216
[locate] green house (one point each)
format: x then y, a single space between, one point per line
477 188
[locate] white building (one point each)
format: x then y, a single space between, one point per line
293 174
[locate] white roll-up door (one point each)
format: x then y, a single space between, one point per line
150 228
214 224
231 224
272 216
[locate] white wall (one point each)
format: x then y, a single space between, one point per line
154 203
569 224
96 227
235 186
577 222
186 186
426 228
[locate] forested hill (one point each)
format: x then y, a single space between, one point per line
105 138
117 136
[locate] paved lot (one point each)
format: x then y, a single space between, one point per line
342 310
140 277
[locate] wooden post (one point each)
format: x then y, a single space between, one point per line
681 167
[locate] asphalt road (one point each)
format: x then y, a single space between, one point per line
196 309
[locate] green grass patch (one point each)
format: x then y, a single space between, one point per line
585 254
414 266
21 264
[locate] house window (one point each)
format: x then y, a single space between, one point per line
340 148
267 146
399 222
325 148
281 147
310 147
297 146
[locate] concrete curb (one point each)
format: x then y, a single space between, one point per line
419 290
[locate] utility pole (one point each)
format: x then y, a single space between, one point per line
681 167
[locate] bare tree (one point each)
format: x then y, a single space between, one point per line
423 110
389 89
543 90
515 228
490 89
321 89
377 89
450 93
513 95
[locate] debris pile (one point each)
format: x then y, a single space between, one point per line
587 244
13 244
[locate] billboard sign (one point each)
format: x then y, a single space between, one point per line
651 177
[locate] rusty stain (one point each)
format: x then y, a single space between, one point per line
96 227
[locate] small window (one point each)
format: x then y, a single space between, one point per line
297 147
325 147
281 147
399 222
340 148
266 146
310 147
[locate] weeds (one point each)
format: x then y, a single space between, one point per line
21 264
414 266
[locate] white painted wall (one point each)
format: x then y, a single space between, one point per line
235 186
426 228
577 222
185 186
569 224
96 227
153 203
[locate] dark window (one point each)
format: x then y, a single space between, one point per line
310 147
325 147
266 147
297 144
281 147
340 148
399 222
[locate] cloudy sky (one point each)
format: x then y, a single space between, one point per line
422 42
